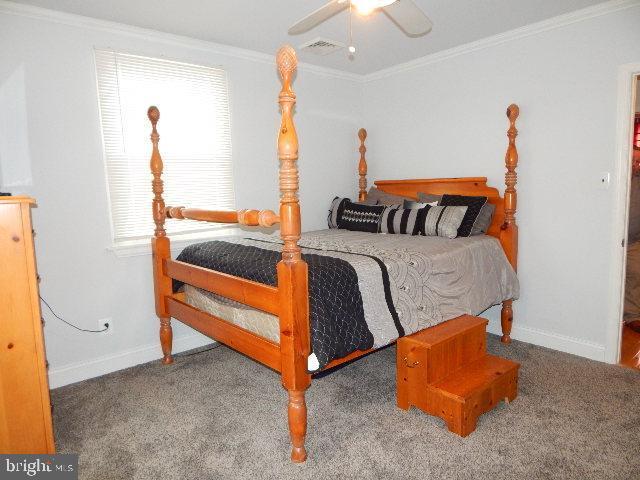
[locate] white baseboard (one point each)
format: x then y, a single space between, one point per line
575 346
110 363
96 367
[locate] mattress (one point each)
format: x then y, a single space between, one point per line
428 280
256 321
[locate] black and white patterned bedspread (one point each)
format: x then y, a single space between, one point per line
366 290
337 317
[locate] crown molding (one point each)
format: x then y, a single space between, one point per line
505 37
70 19
553 23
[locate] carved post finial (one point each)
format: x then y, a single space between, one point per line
154 115
156 169
288 154
362 166
511 163
287 62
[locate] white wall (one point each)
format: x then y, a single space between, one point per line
48 85
446 118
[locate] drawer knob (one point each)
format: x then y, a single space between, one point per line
15 238
410 364
10 346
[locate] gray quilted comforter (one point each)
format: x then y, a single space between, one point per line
368 289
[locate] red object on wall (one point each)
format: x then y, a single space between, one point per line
635 162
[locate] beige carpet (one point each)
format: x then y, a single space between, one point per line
218 415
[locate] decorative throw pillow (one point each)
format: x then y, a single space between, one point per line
440 221
414 204
428 197
384 198
356 217
400 220
430 220
473 204
483 222
337 205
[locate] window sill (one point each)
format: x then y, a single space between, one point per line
178 242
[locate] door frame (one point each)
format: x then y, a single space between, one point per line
627 80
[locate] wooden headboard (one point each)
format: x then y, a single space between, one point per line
503 226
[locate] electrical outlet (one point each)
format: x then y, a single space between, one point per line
105 323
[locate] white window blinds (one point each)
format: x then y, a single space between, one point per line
195 139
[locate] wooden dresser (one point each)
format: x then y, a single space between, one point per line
25 407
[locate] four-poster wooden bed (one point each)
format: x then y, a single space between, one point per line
289 300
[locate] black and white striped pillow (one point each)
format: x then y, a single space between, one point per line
400 220
430 221
441 221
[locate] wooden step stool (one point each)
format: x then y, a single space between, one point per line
445 371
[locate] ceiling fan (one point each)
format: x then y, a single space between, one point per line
405 13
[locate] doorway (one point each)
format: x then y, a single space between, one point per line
630 335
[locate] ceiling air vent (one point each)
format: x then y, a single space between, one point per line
321 46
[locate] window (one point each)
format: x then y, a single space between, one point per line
195 140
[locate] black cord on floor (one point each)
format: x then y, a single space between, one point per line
216 345
71 324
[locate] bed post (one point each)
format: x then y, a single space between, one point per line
509 232
362 166
160 245
292 270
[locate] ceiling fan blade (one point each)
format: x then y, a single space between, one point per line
319 16
408 16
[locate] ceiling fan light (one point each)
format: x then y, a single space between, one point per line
365 7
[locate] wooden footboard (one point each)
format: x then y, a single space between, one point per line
244 341
254 294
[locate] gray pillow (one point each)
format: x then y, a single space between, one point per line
368 201
413 204
384 198
483 220
428 197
